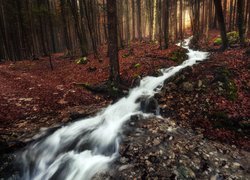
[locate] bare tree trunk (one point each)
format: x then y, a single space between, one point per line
230 15
241 21
81 36
221 22
180 21
133 19
139 19
160 23
113 42
65 29
127 22
166 23
51 28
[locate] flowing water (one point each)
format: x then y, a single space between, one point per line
88 146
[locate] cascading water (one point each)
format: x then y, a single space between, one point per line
86 147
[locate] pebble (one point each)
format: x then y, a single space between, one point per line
156 142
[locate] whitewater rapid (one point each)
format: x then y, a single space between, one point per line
86 147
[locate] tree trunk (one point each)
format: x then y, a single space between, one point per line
51 28
133 19
127 22
139 19
241 21
113 42
166 23
221 22
65 29
230 15
81 36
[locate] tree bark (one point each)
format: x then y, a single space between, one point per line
139 19
241 21
166 23
221 22
113 42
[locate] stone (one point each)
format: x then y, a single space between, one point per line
123 160
124 167
156 142
187 86
149 105
199 83
185 173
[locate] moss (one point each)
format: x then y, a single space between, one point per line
231 91
179 55
125 55
233 37
218 41
82 60
137 65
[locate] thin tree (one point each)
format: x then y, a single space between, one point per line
138 3
241 21
165 12
114 76
220 18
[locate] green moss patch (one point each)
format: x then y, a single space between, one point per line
137 65
218 41
82 60
233 38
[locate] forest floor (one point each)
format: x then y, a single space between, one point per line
211 101
34 97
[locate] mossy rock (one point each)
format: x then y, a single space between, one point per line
233 38
179 55
82 60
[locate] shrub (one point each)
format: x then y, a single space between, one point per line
233 38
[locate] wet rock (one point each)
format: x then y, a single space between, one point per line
136 81
124 167
149 105
185 173
187 86
124 160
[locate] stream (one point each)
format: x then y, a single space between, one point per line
86 147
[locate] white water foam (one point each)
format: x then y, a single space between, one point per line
86 147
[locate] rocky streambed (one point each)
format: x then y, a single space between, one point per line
158 148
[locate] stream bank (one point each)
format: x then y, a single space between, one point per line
183 94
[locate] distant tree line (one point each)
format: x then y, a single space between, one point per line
31 28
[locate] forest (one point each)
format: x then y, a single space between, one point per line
124 89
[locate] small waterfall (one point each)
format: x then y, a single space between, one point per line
86 147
